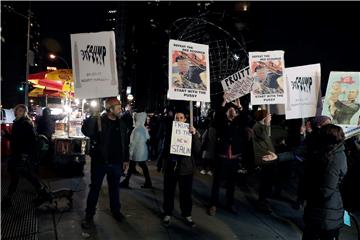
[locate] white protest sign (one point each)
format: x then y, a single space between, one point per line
237 84
181 139
189 71
302 91
267 69
94 65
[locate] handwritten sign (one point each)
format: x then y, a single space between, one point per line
238 84
180 139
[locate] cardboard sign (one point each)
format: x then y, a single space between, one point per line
238 84
94 65
302 91
181 139
342 100
189 71
267 69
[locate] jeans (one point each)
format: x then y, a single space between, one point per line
268 178
185 188
113 174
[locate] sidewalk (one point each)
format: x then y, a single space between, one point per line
142 209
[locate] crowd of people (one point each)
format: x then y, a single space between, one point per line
233 141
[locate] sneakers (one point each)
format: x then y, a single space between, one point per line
212 211
203 172
189 221
209 173
88 222
118 216
166 220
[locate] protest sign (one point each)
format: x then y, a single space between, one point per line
342 100
237 84
181 139
189 71
94 65
267 69
302 91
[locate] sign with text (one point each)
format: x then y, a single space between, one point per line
267 69
237 85
181 139
94 65
189 71
302 91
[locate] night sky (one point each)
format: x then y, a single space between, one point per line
308 32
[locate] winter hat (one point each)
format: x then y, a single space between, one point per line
112 101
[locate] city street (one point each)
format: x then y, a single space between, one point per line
142 209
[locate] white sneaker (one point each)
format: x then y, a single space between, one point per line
166 220
203 172
209 173
190 222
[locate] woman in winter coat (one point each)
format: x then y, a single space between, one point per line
324 171
138 150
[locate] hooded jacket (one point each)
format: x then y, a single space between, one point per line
138 149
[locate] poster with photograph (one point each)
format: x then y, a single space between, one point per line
94 65
302 91
237 84
189 73
267 69
342 100
181 139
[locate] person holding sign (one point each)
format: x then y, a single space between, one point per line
179 169
108 152
230 129
264 154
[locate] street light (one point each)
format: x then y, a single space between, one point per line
53 56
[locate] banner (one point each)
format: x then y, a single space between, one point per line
237 85
189 71
302 91
180 139
267 69
94 65
342 100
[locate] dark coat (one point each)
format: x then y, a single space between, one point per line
261 142
230 133
323 175
46 124
23 138
100 141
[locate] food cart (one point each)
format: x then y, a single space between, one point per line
69 144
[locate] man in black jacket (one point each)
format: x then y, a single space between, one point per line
108 152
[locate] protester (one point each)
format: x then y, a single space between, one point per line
324 171
264 155
179 170
108 152
24 156
208 145
138 150
230 138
